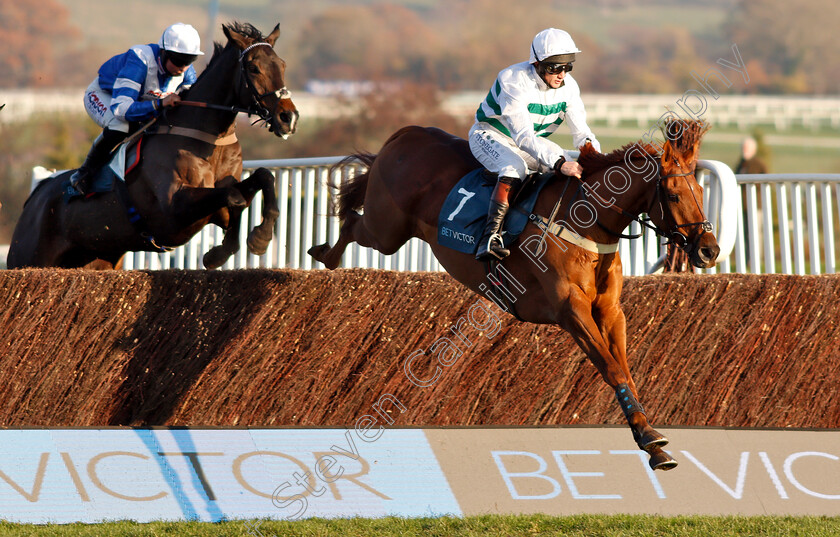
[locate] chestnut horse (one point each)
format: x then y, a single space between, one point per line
573 280
188 175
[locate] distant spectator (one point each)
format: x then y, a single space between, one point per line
750 162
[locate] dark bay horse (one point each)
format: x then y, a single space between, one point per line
188 175
563 280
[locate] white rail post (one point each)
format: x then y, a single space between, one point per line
798 233
295 219
767 229
282 227
308 217
784 229
828 228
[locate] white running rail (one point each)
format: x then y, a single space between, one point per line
304 222
787 224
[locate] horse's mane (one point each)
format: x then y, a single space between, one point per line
245 29
687 134
593 162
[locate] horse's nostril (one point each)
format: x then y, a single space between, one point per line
708 253
286 117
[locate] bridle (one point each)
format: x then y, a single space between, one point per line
259 109
256 108
674 234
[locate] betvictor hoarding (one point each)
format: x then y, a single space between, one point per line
90 475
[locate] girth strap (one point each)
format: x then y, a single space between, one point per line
198 135
568 236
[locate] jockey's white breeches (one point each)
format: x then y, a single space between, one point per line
499 154
98 107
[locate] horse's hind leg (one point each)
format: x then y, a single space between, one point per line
385 237
352 230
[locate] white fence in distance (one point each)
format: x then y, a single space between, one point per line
743 111
787 224
302 187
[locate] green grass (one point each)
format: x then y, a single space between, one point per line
489 525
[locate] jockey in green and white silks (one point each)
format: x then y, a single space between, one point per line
526 104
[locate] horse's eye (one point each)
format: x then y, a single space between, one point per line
253 68
673 197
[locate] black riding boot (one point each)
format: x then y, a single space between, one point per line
97 157
490 246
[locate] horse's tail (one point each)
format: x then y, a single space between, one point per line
350 193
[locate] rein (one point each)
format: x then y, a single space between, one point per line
211 106
257 108
673 235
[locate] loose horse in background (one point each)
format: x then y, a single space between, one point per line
573 280
188 174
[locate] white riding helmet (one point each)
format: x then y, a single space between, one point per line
553 42
181 38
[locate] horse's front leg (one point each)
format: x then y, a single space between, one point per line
231 221
261 181
613 328
604 343
259 237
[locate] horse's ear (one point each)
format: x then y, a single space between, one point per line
272 37
667 155
690 155
238 39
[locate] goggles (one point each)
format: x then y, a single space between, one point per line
557 68
180 60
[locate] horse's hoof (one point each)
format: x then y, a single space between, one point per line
652 439
215 257
659 460
319 253
258 240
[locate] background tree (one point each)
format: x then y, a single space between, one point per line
795 44
375 42
34 39
360 126
658 63
485 36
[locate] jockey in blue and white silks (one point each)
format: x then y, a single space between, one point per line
526 104
133 87
135 80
